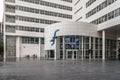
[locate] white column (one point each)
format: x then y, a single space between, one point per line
103 44
82 49
4 31
72 55
39 48
48 54
90 47
57 48
63 48
94 48
18 47
55 57
4 44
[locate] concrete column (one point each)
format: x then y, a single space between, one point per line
55 54
39 48
4 44
103 44
77 55
94 48
18 47
82 49
57 48
4 31
63 48
90 47
72 55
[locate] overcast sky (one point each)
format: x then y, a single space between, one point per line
1 10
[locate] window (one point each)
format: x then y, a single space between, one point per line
13 1
107 16
77 2
42 40
111 15
30 40
90 2
117 12
79 19
99 7
70 1
45 3
44 12
10 29
29 19
78 10
10 19
31 29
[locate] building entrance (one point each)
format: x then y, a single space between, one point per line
71 54
50 54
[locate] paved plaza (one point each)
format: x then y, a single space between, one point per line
60 70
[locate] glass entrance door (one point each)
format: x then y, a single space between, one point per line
75 54
71 54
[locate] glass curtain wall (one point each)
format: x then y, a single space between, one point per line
85 47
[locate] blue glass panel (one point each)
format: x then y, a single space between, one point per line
77 41
77 46
70 39
61 46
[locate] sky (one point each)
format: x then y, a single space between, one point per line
1 10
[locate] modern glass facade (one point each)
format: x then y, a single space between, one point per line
84 47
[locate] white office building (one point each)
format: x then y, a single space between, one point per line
104 13
62 29
24 23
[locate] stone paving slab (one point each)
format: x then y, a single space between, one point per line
60 70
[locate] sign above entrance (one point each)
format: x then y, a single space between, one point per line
54 37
